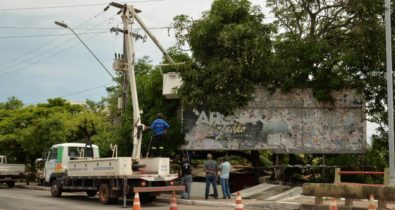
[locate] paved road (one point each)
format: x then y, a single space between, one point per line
27 199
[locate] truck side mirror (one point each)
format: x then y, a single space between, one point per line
44 155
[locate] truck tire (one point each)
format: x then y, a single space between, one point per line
11 184
56 189
104 193
91 193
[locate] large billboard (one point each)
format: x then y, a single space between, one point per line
285 123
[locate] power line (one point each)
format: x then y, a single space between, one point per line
71 6
41 28
44 58
28 28
48 35
13 60
85 29
23 62
77 92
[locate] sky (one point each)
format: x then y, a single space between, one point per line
34 67
40 60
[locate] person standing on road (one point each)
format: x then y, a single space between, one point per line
210 167
225 168
186 177
159 128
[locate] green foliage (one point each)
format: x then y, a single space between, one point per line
322 45
152 102
12 104
26 132
231 48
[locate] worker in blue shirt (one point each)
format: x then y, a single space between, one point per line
159 128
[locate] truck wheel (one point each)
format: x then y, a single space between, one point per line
91 193
104 194
56 189
11 184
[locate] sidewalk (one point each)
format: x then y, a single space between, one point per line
197 198
230 203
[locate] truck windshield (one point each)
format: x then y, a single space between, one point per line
76 152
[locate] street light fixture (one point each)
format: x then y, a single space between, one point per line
64 25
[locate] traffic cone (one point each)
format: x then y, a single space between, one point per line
333 204
239 202
136 202
372 204
173 202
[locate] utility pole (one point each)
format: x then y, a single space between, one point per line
390 80
129 15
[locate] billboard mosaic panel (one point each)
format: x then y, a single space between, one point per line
286 123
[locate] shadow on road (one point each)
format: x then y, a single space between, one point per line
83 198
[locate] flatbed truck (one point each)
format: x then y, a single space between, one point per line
10 173
67 170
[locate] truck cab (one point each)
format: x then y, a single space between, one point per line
57 161
3 159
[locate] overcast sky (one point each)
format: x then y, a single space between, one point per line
36 64
36 68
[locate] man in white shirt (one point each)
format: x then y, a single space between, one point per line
225 168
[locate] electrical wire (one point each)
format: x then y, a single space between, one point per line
49 35
71 6
22 56
56 47
45 58
85 29
76 93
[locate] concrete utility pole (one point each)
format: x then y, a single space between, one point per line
390 90
129 15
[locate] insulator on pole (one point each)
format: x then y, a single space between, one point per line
120 103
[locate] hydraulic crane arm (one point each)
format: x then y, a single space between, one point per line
128 17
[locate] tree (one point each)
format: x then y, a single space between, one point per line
231 49
13 103
28 131
333 45
151 101
329 46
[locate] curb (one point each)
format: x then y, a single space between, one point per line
32 187
197 202
264 205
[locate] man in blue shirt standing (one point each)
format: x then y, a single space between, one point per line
159 128
224 177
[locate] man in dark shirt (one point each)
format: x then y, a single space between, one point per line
186 177
159 128
211 169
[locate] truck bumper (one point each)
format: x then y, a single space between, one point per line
159 189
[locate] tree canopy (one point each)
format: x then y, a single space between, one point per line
322 45
27 131
230 47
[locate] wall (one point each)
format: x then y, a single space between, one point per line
291 123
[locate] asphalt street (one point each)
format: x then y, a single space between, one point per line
28 199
